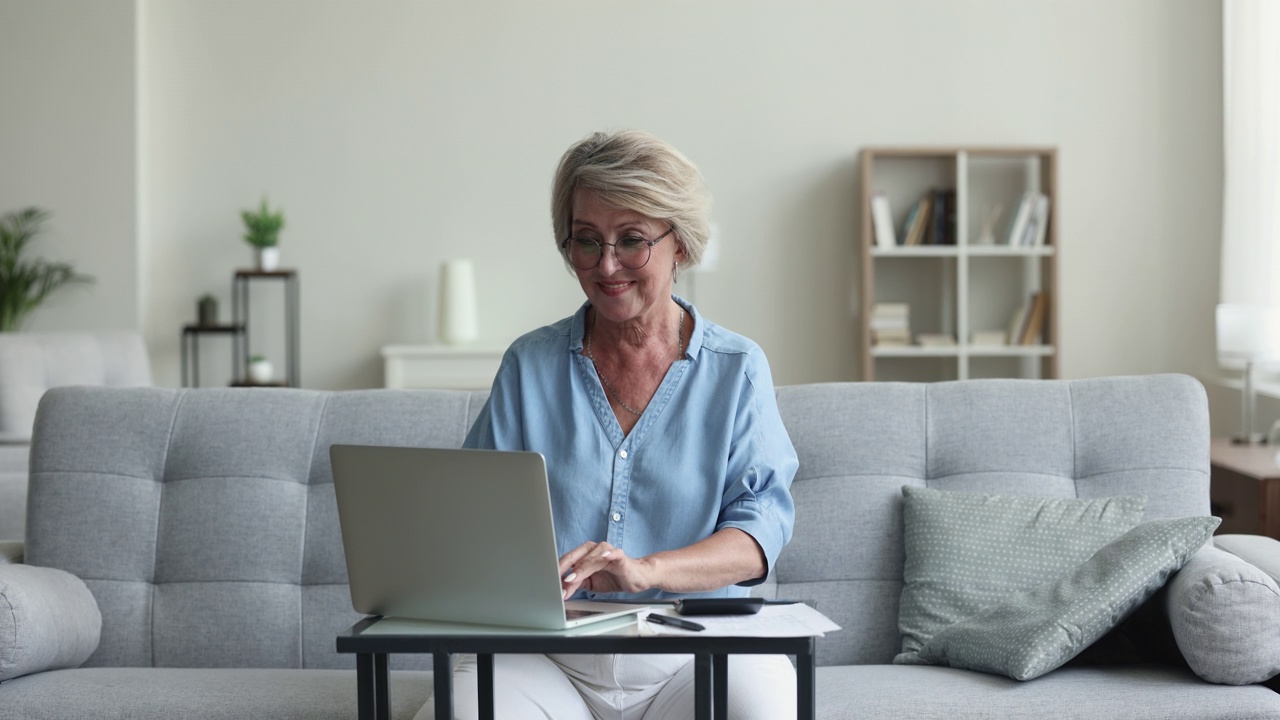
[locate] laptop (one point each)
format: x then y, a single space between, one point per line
462 536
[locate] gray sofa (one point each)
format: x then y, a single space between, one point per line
203 523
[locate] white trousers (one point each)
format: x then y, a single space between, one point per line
620 687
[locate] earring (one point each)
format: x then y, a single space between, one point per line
675 273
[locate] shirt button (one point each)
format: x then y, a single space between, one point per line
617 517
623 454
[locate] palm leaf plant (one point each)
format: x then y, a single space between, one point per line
25 282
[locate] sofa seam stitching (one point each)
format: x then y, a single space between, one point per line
302 549
155 552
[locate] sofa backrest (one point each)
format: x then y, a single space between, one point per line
204 520
860 443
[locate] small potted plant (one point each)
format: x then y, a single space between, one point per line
207 310
259 370
24 281
262 231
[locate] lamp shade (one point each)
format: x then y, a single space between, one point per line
1247 333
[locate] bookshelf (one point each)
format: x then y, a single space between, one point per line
966 274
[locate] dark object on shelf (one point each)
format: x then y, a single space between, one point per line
207 311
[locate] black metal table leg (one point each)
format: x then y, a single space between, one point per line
185 360
292 320
702 686
806 684
484 664
195 360
364 686
443 677
381 677
720 685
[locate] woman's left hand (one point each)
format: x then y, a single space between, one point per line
603 568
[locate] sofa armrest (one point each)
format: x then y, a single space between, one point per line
11 551
1258 550
1225 616
48 620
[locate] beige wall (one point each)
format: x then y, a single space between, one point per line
68 144
400 134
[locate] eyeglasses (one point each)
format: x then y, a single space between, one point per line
631 251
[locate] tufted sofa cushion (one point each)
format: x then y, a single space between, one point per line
217 507
860 443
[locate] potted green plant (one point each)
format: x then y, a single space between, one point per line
25 281
262 231
259 370
207 310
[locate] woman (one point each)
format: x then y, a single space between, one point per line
669 465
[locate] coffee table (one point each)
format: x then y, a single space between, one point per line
710 661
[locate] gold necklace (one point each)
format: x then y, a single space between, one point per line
605 380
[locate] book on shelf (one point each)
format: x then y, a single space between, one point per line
942 220
1031 222
918 221
1027 327
1040 220
989 338
1019 321
882 220
886 309
1034 331
891 338
1021 218
891 324
936 339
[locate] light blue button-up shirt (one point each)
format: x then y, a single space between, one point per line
709 452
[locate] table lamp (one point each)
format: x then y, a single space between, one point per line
1247 335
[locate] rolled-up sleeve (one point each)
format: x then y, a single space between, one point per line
762 464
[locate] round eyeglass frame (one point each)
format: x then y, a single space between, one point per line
564 245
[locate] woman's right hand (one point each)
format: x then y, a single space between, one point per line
603 568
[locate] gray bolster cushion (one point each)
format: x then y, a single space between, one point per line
1225 615
48 620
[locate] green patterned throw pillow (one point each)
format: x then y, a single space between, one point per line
968 551
1038 630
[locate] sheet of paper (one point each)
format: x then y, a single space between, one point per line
795 620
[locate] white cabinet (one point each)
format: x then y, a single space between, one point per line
967 283
440 366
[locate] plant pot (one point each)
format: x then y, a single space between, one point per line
207 312
268 258
260 371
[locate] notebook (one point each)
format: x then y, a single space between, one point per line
451 535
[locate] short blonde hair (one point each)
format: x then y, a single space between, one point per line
634 170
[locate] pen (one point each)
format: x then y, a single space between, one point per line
674 622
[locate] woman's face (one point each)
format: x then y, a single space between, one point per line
617 293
